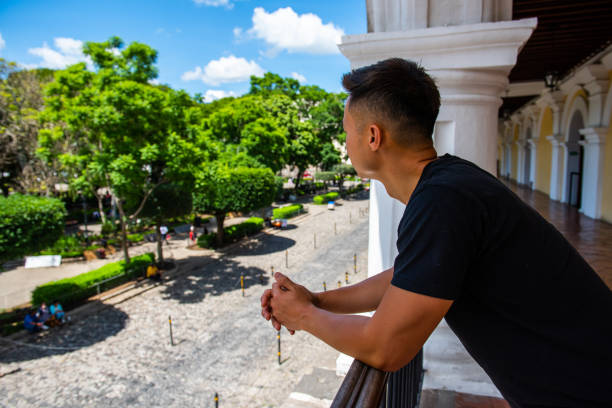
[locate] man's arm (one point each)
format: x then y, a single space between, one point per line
388 340
364 296
361 297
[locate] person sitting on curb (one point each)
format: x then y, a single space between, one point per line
31 324
57 311
154 273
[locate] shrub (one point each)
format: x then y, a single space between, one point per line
68 246
134 238
29 224
325 198
72 290
233 233
288 211
355 189
108 227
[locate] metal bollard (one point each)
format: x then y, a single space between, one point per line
216 400
170 324
261 280
355 263
242 284
279 348
346 277
272 271
324 287
339 283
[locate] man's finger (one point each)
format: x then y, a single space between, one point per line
276 324
283 280
265 298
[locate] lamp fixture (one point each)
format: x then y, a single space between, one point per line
551 79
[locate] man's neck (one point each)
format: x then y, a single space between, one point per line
402 172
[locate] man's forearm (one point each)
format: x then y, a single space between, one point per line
362 297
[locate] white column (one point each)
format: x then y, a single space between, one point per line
594 147
557 161
533 144
520 161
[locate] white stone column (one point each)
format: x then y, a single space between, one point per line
556 180
533 144
594 147
520 161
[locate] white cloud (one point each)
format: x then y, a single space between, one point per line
215 3
2 42
237 32
301 78
284 29
68 51
224 70
214 94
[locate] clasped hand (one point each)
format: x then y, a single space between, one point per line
286 304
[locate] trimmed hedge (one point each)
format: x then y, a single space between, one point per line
325 198
72 290
134 238
29 224
232 233
355 189
288 211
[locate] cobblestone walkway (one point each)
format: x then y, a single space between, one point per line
123 356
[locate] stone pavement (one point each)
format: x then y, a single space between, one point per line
121 356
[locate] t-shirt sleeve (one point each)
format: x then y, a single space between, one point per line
437 242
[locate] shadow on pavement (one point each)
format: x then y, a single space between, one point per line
213 279
93 329
263 245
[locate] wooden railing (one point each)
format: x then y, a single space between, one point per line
368 387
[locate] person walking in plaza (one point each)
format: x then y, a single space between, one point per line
524 303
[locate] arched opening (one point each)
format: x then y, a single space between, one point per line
575 161
527 164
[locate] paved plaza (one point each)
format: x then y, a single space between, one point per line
121 356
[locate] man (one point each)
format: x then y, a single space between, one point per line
520 298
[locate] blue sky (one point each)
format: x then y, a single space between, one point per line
206 46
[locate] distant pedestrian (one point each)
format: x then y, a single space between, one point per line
31 324
57 311
163 230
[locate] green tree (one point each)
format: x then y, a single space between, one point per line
165 202
342 171
130 136
273 83
220 189
21 98
329 157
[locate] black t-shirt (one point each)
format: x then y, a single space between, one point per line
527 306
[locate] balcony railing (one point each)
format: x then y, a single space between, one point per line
368 387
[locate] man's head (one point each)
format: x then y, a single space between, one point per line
394 100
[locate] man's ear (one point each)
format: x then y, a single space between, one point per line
375 136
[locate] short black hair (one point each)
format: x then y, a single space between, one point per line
399 91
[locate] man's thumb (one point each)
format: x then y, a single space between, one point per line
283 280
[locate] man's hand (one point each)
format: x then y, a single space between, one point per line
289 303
266 309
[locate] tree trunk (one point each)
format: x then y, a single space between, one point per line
220 233
101 207
124 240
298 180
159 238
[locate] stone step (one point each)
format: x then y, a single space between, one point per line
452 399
315 390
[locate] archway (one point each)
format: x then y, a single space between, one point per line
575 161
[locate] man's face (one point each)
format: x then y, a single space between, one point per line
354 140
